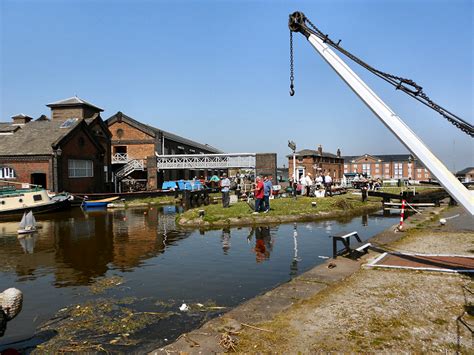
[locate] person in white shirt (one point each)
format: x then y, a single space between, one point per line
309 183
303 184
328 183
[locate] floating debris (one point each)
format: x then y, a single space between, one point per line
184 307
102 285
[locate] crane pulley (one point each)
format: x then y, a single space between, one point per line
298 22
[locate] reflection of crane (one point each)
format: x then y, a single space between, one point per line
322 43
294 262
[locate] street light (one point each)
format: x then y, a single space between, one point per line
292 146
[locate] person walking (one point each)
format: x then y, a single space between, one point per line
267 191
258 195
225 187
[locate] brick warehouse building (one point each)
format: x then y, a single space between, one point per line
315 162
134 145
388 166
69 152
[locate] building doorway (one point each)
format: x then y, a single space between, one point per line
39 179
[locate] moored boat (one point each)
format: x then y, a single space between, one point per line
16 201
99 203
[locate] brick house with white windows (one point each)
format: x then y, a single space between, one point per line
315 162
69 152
387 166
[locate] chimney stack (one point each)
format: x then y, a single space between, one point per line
338 153
21 119
320 150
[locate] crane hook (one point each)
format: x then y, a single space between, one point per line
292 91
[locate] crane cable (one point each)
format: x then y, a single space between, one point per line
408 86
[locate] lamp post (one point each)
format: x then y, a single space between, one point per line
56 154
292 146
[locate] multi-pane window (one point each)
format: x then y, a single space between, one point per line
80 168
7 173
398 170
366 169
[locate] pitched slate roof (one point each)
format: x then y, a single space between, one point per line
8 127
465 171
383 157
73 101
34 138
311 152
155 131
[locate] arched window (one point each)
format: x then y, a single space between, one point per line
7 173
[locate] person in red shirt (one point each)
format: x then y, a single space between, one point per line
258 195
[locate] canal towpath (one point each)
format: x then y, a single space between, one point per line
343 306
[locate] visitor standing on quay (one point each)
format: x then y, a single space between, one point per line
267 192
225 187
258 195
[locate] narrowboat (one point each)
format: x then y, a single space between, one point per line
16 201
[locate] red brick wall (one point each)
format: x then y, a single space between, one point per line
24 169
388 172
129 132
335 169
73 149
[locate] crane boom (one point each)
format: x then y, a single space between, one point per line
388 117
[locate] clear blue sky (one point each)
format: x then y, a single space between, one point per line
217 71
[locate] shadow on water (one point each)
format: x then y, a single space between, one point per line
116 279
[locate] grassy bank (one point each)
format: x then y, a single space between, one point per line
160 200
282 210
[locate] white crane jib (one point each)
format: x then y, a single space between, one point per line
406 136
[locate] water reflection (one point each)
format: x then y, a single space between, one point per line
86 244
296 259
225 240
28 242
365 220
156 260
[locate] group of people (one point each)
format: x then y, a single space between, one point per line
262 193
305 184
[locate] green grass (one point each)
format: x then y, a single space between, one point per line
397 190
160 200
281 207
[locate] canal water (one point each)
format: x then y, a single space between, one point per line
153 268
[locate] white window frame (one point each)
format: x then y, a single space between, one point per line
75 171
7 173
